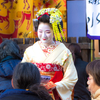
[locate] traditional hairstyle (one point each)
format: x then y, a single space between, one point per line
9 48
52 16
93 68
27 76
75 50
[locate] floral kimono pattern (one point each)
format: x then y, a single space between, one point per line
54 61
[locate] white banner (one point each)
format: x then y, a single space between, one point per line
93 18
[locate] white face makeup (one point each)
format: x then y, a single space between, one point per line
45 34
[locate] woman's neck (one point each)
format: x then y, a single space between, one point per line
48 44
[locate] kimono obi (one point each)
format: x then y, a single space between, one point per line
53 70
48 67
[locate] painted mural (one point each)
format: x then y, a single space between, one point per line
16 16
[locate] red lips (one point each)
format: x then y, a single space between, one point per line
44 39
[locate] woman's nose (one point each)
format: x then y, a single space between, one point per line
88 82
43 35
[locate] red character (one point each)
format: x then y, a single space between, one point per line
64 3
5 18
12 35
26 1
55 1
6 1
27 17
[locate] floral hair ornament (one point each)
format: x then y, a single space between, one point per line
55 19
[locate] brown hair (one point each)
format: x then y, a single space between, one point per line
75 50
93 68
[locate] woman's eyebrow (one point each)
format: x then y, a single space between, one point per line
40 29
43 30
47 30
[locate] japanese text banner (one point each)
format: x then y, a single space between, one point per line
93 19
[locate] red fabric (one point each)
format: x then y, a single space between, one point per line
57 76
48 67
56 96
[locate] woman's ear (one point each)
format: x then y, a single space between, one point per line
12 83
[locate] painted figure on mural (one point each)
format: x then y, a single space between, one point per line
6 1
53 58
11 35
5 18
26 1
25 16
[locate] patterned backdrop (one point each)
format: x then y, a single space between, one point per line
16 16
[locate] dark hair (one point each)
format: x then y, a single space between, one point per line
27 76
75 50
46 19
93 68
9 48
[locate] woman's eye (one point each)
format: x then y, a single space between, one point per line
88 78
40 31
48 32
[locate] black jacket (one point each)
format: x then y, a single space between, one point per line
6 70
18 94
80 90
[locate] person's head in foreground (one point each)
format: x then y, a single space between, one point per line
9 58
26 76
49 25
93 70
9 48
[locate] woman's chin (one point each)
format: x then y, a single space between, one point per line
89 90
92 92
44 41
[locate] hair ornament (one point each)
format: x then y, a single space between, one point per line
55 19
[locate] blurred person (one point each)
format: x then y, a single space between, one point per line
80 89
9 58
26 83
93 70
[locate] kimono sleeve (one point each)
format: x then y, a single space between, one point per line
66 85
27 55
